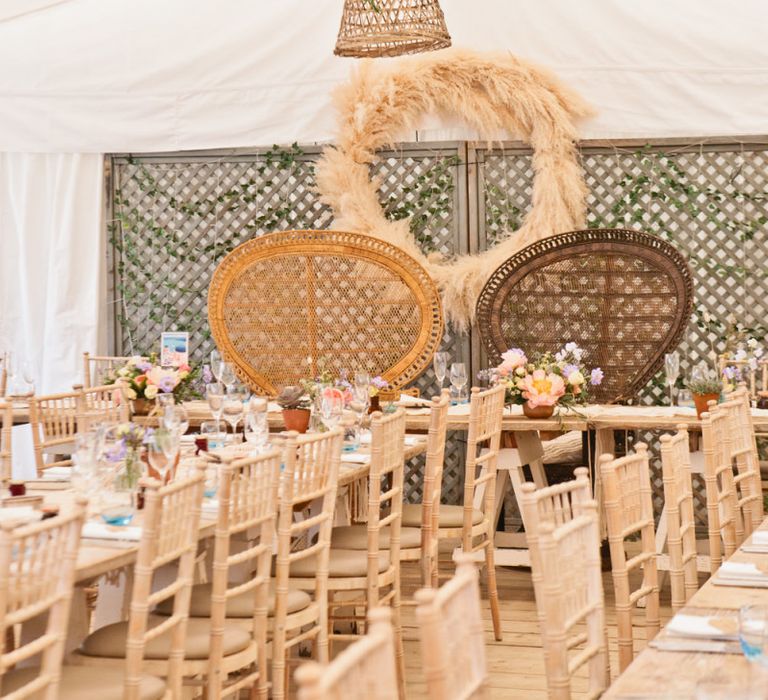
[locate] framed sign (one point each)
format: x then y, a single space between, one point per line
174 349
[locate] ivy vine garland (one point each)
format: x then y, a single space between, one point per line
491 93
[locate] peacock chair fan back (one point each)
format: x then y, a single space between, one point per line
285 304
623 296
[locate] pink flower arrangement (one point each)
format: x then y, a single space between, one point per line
541 388
143 378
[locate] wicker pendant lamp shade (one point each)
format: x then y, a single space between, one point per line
374 28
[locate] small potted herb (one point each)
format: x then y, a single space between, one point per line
705 388
295 407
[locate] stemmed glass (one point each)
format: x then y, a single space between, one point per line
89 446
214 393
256 429
753 632
28 375
233 406
176 418
227 374
162 447
672 370
216 360
331 408
458 379
440 365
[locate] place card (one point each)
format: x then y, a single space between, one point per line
174 349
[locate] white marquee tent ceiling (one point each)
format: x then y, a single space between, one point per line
143 75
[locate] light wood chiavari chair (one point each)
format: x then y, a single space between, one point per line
452 636
366 669
743 449
37 577
373 573
557 504
628 504
681 523
725 527
247 494
174 646
101 404
53 419
570 593
310 474
97 367
6 441
474 522
416 543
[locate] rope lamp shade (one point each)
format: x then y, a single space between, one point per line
283 304
623 296
374 28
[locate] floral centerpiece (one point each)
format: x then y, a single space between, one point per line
738 361
144 380
545 380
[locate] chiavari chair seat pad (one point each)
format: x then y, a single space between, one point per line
110 640
86 683
356 537
450 516
342 563
240 606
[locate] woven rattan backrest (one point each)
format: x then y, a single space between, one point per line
628 505
725 526
571 592
169 533
96 368
365 669
624 297
452 635
681 524
310 473
342 299
101 404
486 409
557 504
6 440
385 492
37 576
744 456
247 494
433 481
53 419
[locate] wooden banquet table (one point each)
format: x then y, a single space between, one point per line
663 673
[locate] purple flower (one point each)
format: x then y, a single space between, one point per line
596 377
568 370
207 375
144 366
379 383
167 385
118 452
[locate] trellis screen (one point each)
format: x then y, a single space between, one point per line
172 218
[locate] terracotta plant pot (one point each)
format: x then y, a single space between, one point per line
701 401
142 407
296 419
538 411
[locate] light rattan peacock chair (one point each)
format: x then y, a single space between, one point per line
625 297
344 300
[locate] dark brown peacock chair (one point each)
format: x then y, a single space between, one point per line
625 297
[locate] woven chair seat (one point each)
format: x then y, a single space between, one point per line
623 296
283 304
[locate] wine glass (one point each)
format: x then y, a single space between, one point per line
753 632
89 446
458 379
256 429
28 375
440 364
216 360
162 447
176 418
233 406
331 407
214 394
227 374
672 370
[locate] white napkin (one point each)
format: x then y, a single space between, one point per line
697 626
210 507
408 400
101 531
57 473
461 409
188 439
414 439
735 569
760 538
19 514
355 457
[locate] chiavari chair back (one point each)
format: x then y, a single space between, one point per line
452 636
53 419
101 404
725 526
310 473
6 440
744 456
681 523
628 504
97 368
570 594
37 576
366 669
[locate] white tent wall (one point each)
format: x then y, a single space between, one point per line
96 76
